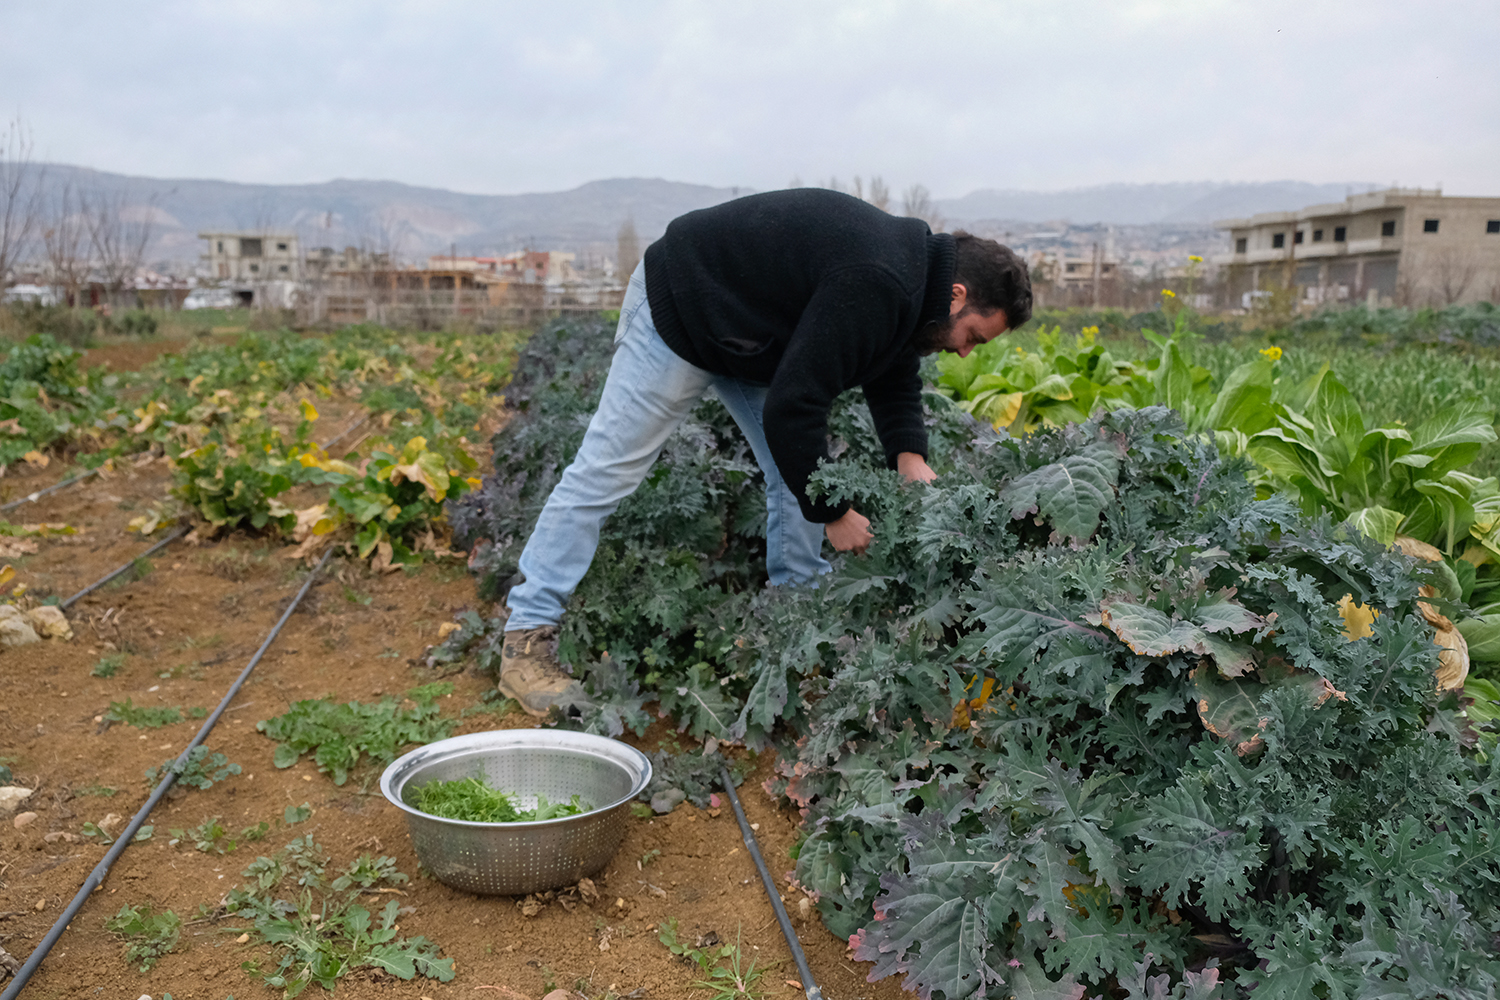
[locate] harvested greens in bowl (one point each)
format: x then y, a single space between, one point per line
472 800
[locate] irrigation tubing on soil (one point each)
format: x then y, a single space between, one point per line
808 986
117 571
34 497
96 877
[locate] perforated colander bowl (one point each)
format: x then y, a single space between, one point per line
510 859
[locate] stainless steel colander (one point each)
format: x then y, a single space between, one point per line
510 859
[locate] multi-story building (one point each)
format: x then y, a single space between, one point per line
1401 246
252 258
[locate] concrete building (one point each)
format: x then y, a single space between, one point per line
321 261
252 258
1401 246
1060 280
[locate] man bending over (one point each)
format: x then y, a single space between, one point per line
777 302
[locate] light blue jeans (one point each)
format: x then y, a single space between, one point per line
647 395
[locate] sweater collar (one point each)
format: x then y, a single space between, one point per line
941 250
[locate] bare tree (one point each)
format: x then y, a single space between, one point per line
1452 272
118 233
627 249
917 204
65 243
880 195
18 197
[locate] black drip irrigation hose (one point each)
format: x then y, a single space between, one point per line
96 877
804 973
116 572
34 497
346 431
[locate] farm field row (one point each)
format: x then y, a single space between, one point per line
917 706
177 636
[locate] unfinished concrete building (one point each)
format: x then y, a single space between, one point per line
1400 246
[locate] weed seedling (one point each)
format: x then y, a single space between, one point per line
647 858
320 933
734 981
340 735
201 769
142 717
97 790
211 836
150 935
108 665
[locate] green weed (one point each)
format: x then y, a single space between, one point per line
149 935
340 736
142 717
317 932
732 981
109 664
201 769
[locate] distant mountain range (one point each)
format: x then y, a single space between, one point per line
417 221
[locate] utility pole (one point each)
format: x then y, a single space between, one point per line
1098 266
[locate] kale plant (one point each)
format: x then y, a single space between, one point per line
1087 716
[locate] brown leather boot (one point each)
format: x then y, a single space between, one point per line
529 671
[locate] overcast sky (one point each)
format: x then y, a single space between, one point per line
498 98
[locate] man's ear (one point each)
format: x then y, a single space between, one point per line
960 299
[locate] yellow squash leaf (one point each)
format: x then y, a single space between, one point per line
7 574
309 412
1357 618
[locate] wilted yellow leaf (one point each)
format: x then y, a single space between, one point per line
1453 660
309 412
7 574
37 459
1357 618
446 629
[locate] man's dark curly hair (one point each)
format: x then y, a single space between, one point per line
995 277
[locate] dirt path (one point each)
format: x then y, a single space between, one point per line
185 629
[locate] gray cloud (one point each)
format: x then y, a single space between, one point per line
956 94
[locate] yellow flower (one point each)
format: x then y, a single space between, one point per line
1195 258
473 482
1090 330
1169 293
1273 352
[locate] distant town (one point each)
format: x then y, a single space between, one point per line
123 248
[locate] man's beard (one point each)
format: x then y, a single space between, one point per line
934 336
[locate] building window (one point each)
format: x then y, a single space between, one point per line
250 248
1492 226
282 269
1297 238
1388 227
254 268
1338 234
1429 225
1317 236
1070 268
1278 240
281 246
1241 245
221 246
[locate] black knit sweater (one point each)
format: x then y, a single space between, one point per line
810 292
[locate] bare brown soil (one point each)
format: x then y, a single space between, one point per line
187 627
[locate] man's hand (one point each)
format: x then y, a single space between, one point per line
850 532
914 467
